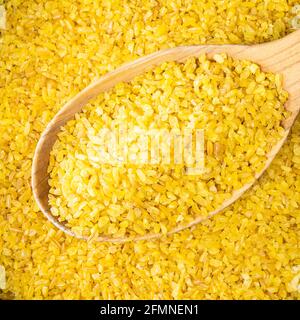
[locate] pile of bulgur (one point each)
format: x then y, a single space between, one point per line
97 190
50 50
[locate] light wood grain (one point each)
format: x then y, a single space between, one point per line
281 56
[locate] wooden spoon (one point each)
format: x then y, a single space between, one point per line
280 56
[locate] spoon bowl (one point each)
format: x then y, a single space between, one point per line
280 56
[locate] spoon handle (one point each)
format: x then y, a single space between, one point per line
286 61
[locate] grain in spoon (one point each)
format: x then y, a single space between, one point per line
281 56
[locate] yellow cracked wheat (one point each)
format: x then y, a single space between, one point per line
239 108
50 50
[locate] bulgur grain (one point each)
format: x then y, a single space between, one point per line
256 240
85 189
